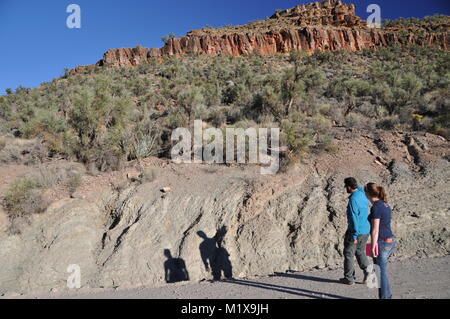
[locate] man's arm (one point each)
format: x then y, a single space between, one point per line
354 214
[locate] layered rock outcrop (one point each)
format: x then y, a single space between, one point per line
291 221
327 13
320 26
284 41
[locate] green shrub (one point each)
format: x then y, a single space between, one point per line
24 198
74 182
325 143
144 140
165 39
296 137
387 123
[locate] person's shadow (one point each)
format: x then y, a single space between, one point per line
214 256
174 269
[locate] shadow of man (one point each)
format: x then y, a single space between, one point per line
174 269
214 256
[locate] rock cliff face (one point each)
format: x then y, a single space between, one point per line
328 13
319 26
284 41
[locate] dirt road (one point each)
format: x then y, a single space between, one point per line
414 278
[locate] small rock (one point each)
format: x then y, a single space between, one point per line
376 162
422 143
382 160
414 214
133 177
166 190
77 195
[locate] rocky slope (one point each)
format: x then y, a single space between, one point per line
291 221
319 26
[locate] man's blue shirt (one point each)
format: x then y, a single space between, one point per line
358 213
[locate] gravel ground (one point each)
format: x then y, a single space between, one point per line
411 279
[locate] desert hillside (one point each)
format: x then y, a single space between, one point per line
86 176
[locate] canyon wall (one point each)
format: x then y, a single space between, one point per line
320 26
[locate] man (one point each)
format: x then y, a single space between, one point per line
357 232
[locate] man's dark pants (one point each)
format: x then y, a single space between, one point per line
350 251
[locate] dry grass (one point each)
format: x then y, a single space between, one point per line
24 198
19 151
25 195
55 173
2 143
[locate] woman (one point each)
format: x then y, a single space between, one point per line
382 237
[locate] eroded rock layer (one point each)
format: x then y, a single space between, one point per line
257 224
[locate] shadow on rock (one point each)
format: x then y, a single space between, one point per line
174 269
214 256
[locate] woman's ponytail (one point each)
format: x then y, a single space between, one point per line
382 194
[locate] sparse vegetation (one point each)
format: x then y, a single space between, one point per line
435 23
19 151
167 38
2 143
108 116
24 198
74 182
54 173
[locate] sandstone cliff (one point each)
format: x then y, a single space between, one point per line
319 26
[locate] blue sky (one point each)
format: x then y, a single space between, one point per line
36 44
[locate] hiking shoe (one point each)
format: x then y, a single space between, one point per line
345 281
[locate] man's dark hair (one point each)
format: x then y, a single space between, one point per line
351 182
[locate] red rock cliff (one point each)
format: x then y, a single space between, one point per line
319 26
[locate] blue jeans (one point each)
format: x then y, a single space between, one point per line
384 252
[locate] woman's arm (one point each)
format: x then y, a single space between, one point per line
374 234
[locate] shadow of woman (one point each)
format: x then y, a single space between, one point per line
174 269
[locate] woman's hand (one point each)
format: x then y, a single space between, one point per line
375 250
